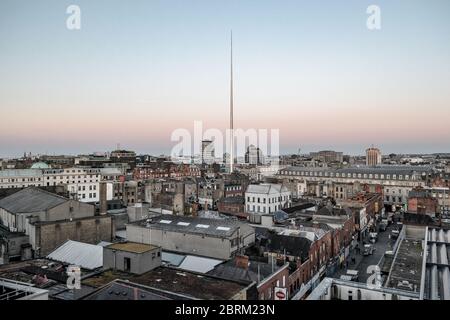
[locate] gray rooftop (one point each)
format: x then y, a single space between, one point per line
213 227
406 270
266 188
31 200
20 173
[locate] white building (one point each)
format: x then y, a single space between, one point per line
266 198
81 183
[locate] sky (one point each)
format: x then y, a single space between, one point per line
138 70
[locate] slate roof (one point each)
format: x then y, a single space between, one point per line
266 188
333 211
20 173
292 245
31 200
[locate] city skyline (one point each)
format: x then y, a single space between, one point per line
313 71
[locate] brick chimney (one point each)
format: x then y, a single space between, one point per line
242 261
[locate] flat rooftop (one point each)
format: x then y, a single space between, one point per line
406 270
189 284
132 247
194 225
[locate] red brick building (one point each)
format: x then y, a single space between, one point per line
421 202
234 206
165 170
307 251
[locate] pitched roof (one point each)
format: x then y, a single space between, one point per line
85 255
266 188
295 246
291 245
31 200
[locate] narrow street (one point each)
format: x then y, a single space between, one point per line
383 244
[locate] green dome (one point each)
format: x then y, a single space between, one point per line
40 165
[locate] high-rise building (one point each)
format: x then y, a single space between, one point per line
207 151
231 108
327 156
373 156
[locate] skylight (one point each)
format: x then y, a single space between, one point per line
165 221
204 226
183 223
223 228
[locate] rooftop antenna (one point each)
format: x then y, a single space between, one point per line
231 108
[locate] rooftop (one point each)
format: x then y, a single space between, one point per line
132 247
189 262
406 270
40 165
212 227
189 284
20 173
31 200
124 290
82 254
266 188
297 246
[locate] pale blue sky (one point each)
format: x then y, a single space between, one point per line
137 70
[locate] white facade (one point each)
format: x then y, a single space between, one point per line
266 198
82 183
334 289
397 181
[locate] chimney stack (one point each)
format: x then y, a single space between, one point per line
242 261
103 200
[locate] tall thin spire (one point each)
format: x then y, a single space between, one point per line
231 108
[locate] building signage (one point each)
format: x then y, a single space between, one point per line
280 293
